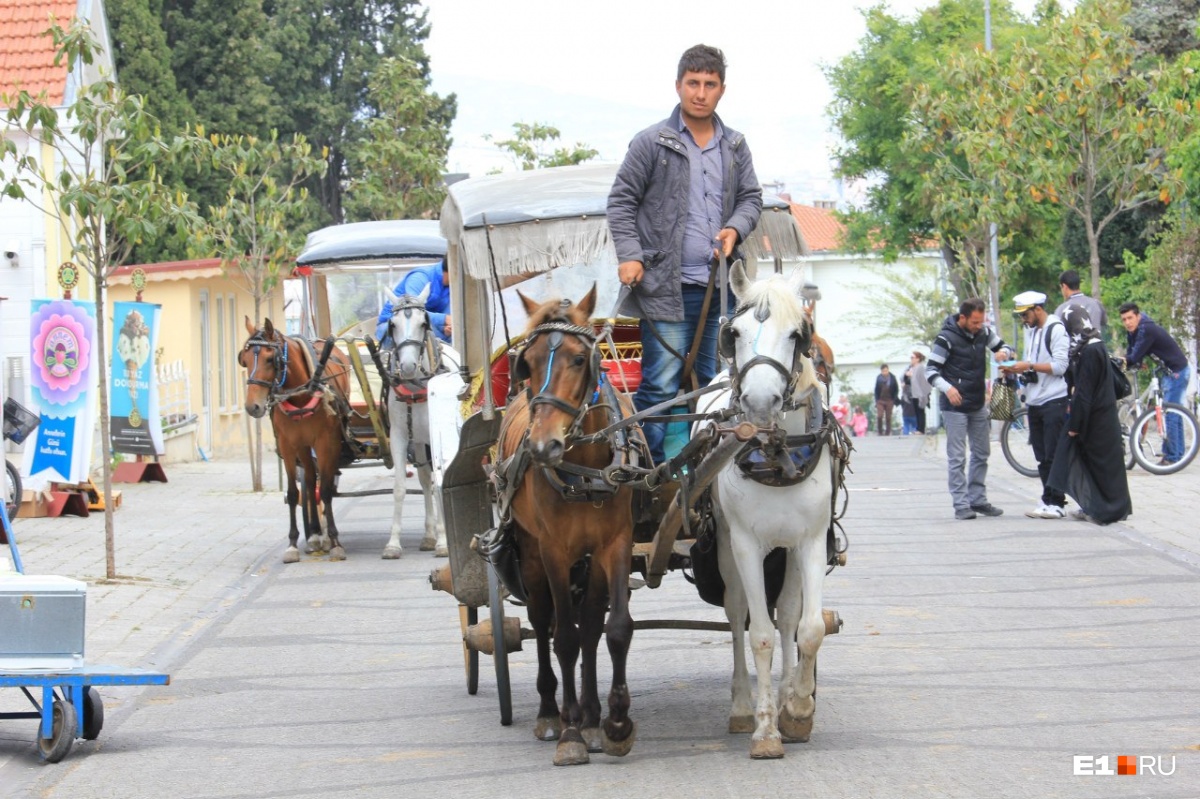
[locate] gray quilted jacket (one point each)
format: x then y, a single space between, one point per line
647 210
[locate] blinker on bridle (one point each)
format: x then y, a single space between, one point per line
279 360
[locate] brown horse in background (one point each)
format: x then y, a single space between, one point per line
559 539
307 417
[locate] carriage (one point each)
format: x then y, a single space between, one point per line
514 241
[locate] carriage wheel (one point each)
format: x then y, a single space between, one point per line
93 714
65 724
468 617
500 652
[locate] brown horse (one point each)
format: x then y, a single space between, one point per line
572 534
306 416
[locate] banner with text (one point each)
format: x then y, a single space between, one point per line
63 382
133 398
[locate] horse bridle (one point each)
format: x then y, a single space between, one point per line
727 349
556 330
279 361
427 343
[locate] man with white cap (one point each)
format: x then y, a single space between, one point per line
1044 390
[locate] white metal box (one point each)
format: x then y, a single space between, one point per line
41 622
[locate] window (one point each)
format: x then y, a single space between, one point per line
222 355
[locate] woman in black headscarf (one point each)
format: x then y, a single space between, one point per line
1090 462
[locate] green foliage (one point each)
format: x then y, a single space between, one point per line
1165 28
907 300
1127 232
397 166
255 230
1178 95
529 147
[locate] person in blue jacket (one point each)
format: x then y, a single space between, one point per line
1145 339
437 304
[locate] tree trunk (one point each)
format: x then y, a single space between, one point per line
1093 256
110 546
256 453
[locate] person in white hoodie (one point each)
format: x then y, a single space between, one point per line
1044 391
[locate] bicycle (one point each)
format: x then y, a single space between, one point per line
18 424
1149 432
1014 442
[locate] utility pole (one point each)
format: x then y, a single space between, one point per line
993 242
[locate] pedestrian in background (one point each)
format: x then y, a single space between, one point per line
918 388
887 393
1090 462
1068 284
859 423
1145 339
1044 391
957 367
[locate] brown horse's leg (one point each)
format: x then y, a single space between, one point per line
571 750
591 625
541 617
619 729
292 554
308 500
328 450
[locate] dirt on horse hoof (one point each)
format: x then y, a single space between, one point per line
337 553
291 555
392 553
571 753
739 725
428 543
792 729
766 749
622 747
441 552
547 728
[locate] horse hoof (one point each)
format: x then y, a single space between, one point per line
792 729
622 747
591 739
570 753
766 749
337 553
291 555
312 547
548 728
392 553
428 543
741 724
441 552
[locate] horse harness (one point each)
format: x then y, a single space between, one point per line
727 348
414 390
276 396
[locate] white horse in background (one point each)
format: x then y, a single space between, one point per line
415 355
774 387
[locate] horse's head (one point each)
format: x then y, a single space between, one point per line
413 354
561 363
264 357
767 343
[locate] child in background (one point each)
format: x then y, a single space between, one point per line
860 423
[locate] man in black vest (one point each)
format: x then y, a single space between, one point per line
957 367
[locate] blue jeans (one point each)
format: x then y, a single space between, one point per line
661 370
967 484
1173 389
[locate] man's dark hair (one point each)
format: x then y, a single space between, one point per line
1129 306
702 58
445 265
1070 279
883 366
970 306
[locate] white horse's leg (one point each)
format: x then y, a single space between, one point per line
435 528
741 712
787 617
398 435
796 716
748 553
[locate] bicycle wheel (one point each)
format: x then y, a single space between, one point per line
12 490
1014 441
1149 438
1125 413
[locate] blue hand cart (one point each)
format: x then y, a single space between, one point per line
70 706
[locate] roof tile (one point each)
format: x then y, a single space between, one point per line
27 51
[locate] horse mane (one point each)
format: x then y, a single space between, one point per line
777 295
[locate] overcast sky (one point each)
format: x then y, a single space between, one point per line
600 72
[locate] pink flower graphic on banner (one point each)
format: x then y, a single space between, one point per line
61 350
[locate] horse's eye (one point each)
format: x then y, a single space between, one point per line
580 360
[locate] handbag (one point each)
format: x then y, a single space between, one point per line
1004 400
1121 386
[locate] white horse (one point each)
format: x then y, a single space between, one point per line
774 387
416 355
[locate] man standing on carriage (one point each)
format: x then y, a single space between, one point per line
686 184
437 304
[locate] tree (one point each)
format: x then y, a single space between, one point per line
328 52
874 109
908 304
1065 122
1165 28
106 189
529 147
255 231
396 169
